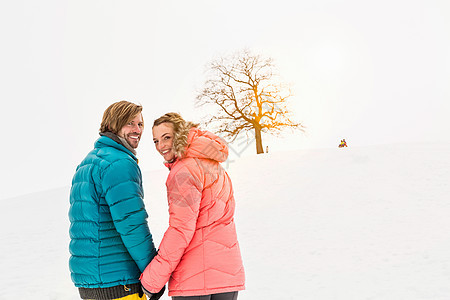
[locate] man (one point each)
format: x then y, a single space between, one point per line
110 240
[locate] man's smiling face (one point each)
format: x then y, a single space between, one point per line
132 131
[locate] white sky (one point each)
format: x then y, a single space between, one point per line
372 73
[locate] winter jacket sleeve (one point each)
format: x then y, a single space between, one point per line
122 185
184 192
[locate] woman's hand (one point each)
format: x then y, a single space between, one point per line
152 296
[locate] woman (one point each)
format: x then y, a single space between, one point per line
199 254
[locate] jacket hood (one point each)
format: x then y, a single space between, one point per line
201 144
205 144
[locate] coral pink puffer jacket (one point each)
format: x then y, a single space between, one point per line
199 253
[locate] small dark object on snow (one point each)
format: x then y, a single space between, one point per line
343 144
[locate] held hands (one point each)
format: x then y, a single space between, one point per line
152 296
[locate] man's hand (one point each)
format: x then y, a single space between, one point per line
152 296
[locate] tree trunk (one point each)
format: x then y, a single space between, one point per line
258 139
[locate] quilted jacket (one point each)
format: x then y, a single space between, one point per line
110 240
199 253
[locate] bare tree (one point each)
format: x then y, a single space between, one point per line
248 96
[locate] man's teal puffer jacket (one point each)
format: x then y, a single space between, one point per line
110 240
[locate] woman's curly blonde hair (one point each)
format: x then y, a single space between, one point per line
181 130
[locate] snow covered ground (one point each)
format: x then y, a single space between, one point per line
354 223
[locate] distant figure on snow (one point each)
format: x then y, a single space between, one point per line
343 144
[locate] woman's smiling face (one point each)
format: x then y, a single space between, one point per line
163 138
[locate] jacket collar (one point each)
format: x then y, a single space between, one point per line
119 140
108 140
169 164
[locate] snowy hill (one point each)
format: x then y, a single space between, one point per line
353 223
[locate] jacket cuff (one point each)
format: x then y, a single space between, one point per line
145 286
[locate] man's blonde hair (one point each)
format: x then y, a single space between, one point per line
118 115
181 130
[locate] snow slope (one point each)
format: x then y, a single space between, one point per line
353 223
